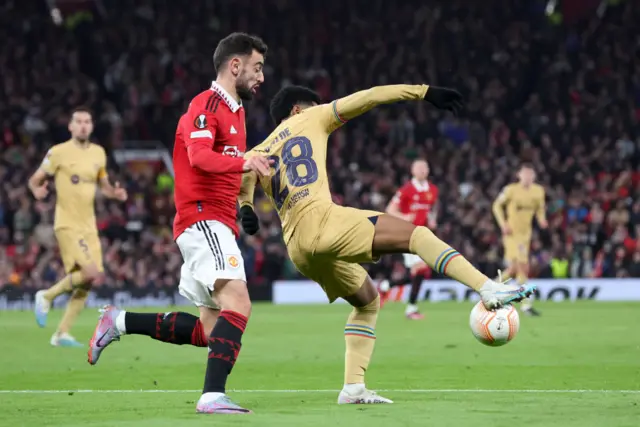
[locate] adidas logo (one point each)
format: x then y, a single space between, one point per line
233 130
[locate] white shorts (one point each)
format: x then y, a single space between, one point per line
410 260
210 253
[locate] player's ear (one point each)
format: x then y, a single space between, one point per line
297 109
235 66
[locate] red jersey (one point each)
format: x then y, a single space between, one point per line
207 160
417 198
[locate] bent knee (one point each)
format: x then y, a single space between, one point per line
233 295
92 275
366 296
372 307
208 318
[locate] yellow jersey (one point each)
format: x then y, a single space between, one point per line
298 149
76 170
521 204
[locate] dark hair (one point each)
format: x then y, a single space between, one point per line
287 98
82 109
237 44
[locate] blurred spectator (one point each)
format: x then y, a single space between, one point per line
565 98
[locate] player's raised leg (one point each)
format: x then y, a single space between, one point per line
88 256
393 235
82 272
44 298
178 328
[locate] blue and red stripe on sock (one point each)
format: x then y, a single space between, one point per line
444 259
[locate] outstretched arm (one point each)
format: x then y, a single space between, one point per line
344 109
360 102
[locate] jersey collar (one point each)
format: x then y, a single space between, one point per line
234 106
419 185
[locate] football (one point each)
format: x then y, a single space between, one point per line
494 327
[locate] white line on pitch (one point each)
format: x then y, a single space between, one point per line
425 391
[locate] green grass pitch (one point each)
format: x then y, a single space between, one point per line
579 365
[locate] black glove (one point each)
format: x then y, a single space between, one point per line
249 220
444 99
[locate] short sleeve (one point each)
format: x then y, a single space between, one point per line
50 163
504 195
102 172
399 196
436 194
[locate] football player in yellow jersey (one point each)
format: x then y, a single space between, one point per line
77 166
326 241
522 201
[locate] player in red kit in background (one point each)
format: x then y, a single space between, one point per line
416 201
208 161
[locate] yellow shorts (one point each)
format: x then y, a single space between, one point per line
79 248
327 245
516 248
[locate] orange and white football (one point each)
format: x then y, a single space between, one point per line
494 327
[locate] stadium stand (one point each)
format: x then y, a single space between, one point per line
573 109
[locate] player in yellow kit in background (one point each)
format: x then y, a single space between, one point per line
77 167
521 200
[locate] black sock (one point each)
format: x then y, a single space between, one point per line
175 328
224 346
416 282
399 282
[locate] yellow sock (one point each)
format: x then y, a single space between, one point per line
74 307
360 338
67 284
445 260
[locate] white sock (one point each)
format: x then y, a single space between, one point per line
210 397
384 286
411 308
120 325
353 389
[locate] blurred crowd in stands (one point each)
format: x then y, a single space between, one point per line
563 95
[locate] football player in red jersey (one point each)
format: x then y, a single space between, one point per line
208 161
416 201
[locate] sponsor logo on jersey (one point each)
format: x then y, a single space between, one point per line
233 261
523 208
233 130
75 179
297 197
200 122
232 151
